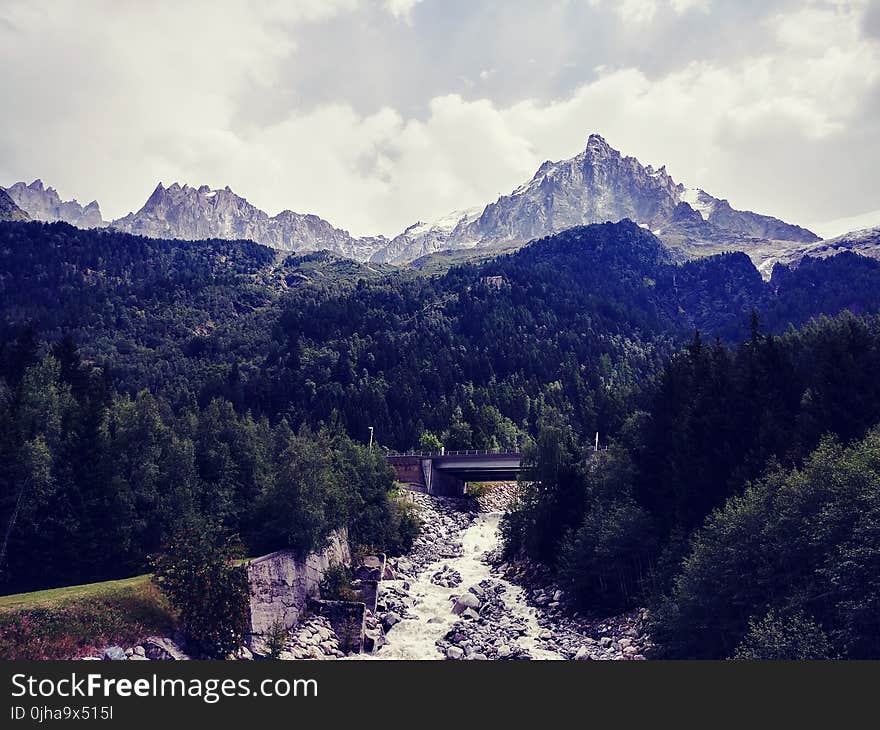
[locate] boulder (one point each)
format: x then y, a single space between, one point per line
159 648
582 654
455 652
114 653
465 601
392 618
470 614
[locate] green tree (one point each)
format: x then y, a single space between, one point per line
197 571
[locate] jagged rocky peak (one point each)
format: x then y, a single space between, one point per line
599 184
192 213
44 204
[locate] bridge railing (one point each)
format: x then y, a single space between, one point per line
456 452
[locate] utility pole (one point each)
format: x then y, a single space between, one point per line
371 439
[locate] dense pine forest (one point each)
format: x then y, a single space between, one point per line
149 384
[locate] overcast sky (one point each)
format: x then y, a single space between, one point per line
378 113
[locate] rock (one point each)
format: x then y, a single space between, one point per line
138 651
470 614
392 618
504 651
244 654
137 658
114 653
454 652
582 654
159 648
465 600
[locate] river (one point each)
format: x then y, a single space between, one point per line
429 607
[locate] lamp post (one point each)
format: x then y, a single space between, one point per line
371 439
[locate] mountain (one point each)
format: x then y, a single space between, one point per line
196 213
9 211
865 242
599 184
44 204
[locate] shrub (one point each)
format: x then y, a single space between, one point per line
275 640
197 573
336 584
775 637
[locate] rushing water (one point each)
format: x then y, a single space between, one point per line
431 613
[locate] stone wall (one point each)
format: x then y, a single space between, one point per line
281 585
347 620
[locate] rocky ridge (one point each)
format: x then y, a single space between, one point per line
42 203
599 184
181 211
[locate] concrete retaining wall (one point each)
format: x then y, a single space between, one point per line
281 585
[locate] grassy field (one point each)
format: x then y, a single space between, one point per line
56 596
63 623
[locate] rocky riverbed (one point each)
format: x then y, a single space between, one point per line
454 598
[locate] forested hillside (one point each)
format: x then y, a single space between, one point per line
149 383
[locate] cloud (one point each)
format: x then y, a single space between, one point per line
644 11
682 6
400 8
788 129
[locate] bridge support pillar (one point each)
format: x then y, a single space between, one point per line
444 484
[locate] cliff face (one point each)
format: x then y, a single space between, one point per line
9 211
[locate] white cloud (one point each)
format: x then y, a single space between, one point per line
682 6
642 12
636 11
140 97
400 8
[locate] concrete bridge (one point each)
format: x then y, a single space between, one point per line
447 472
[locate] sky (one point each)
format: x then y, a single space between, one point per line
377 113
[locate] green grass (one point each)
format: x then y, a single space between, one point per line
68 622
55 596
